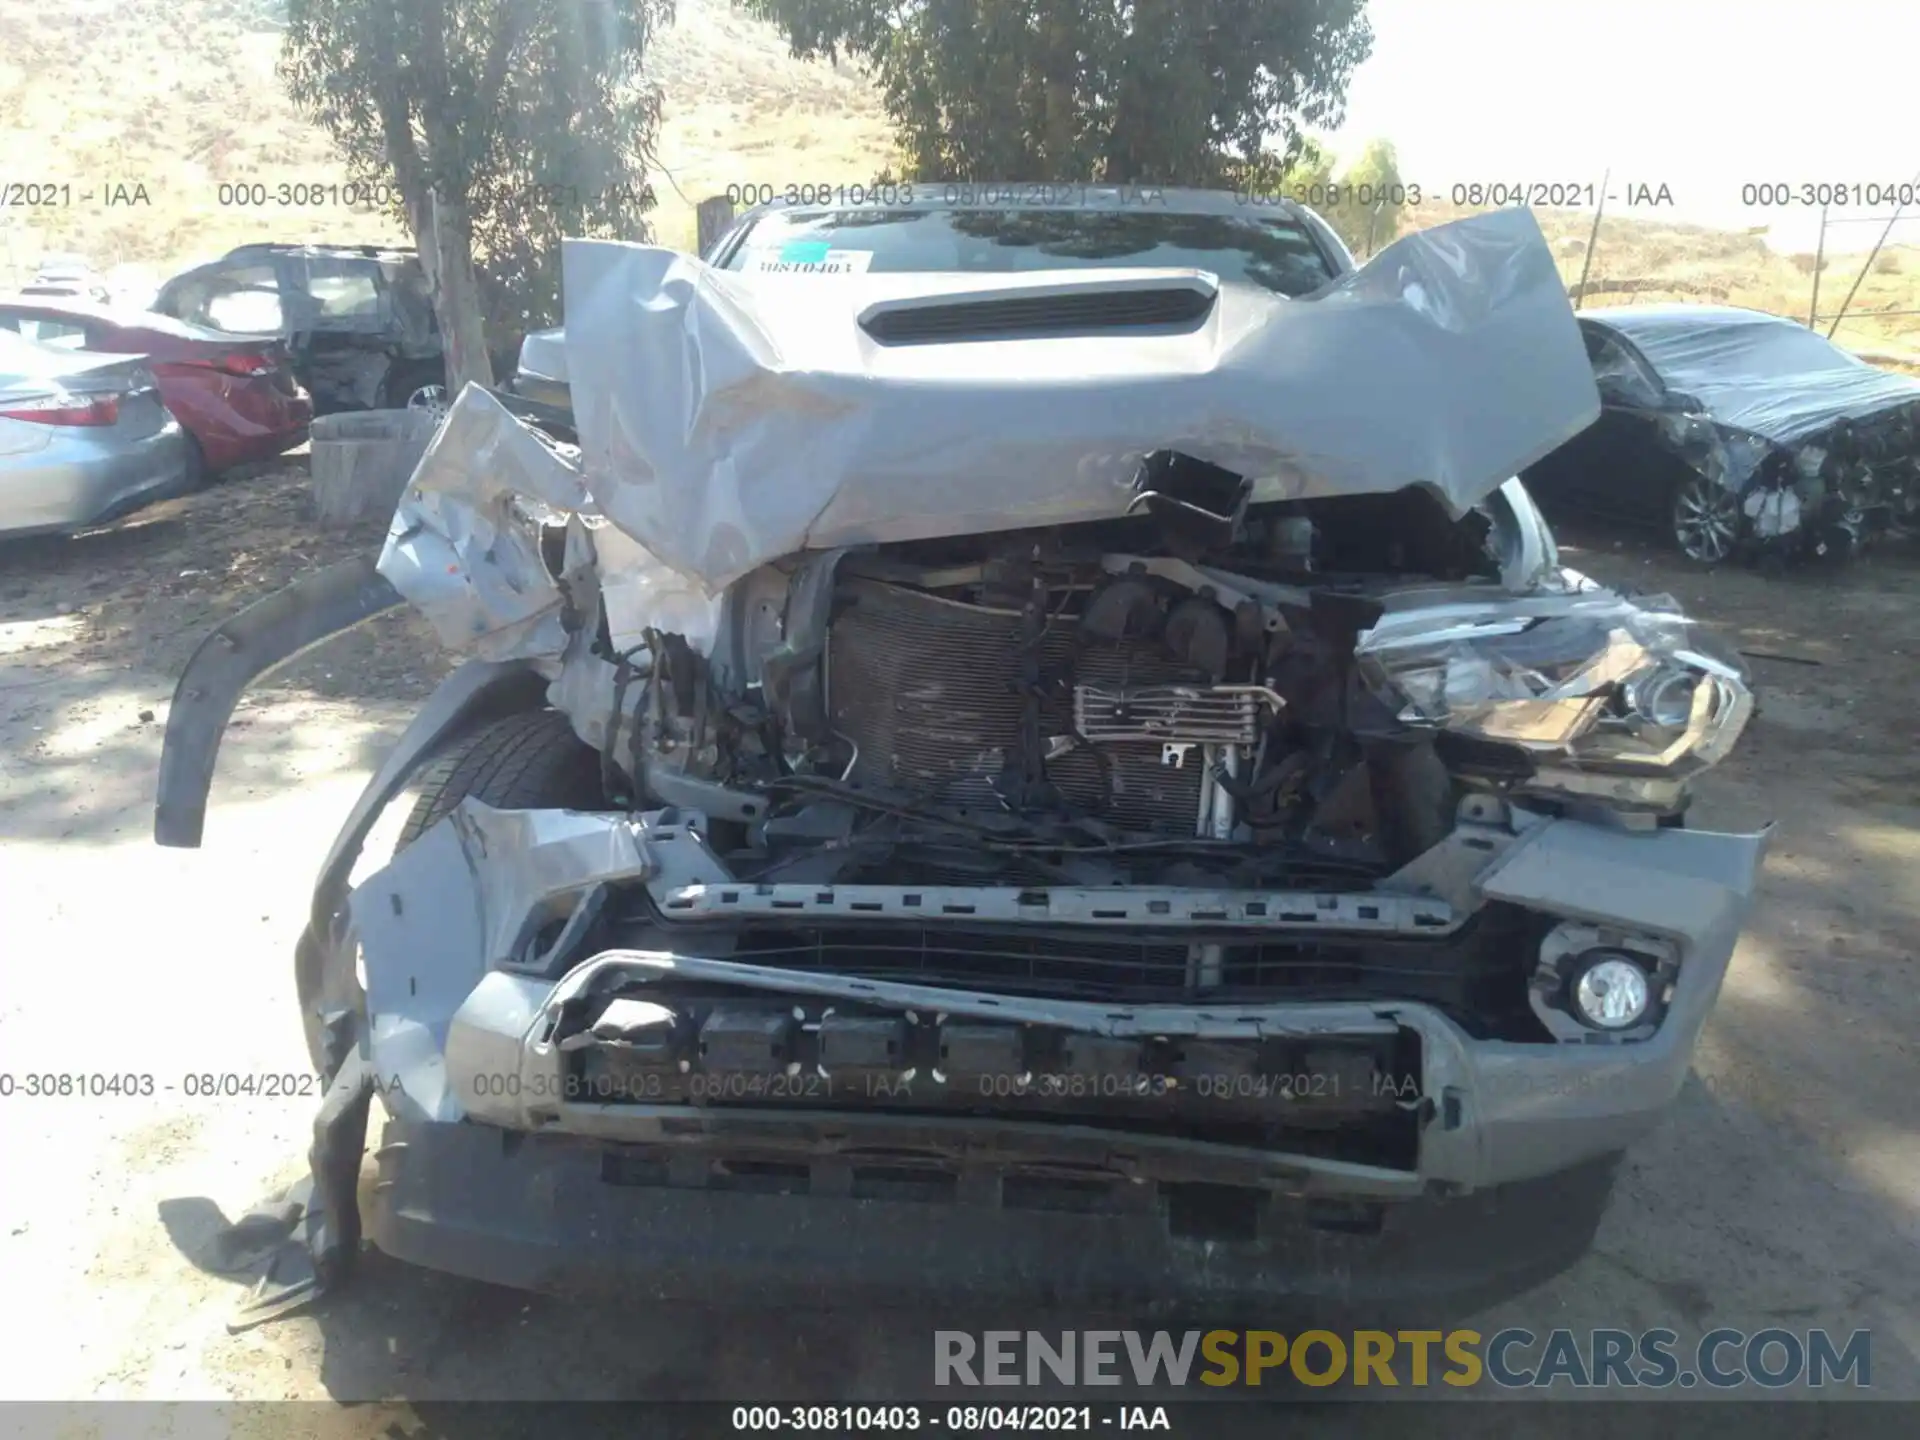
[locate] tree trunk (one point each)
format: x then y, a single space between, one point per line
442 233
712 216
446 253
1059 126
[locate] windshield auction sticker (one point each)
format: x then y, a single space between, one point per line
806 257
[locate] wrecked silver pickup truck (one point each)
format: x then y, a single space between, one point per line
1085 786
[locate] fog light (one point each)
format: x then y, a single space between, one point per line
1610 992
1595 985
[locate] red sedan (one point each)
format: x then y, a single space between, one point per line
233 394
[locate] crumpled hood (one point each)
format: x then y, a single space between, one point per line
728 419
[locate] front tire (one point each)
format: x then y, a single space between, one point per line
432 399
405 381
1705 521
529 761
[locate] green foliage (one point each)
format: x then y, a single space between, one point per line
1174 92
1309 172
1371 197
528 118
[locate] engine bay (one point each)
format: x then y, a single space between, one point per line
1165 699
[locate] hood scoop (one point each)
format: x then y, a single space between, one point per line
1090 305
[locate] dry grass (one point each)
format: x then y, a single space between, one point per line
1638 261
740 109
177 96
180 96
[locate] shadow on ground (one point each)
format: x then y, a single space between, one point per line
1784 1189
94 630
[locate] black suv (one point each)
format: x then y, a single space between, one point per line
357 318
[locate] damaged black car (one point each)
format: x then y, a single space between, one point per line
1736 433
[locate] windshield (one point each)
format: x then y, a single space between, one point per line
1275 254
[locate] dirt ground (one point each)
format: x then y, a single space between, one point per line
1785 1190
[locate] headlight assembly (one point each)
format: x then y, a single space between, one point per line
1664 696
1603 697
1682 430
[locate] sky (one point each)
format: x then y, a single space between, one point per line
1701 95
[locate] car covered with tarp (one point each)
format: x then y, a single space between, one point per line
1738 433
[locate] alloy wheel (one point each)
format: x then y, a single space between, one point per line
1706 521
432 399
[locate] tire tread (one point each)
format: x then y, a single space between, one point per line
526 761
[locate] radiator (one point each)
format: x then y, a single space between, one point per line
927 688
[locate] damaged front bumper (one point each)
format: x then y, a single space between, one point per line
1824 495
563 1115
556 1213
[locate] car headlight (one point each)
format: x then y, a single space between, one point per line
1682 430
1665 696
1600 696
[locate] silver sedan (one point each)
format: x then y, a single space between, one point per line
84 439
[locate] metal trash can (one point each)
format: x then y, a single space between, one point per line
362 461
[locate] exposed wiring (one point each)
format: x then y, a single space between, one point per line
988 839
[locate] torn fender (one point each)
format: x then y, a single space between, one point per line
465 546
256 642
329 991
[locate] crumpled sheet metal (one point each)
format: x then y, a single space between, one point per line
640 593
1756 372
473 891
464 546
728 419
544 353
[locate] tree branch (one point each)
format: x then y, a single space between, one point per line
391 101
444 140
493 75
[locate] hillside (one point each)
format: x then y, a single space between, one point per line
175 96
178 97
1637 261
739 109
